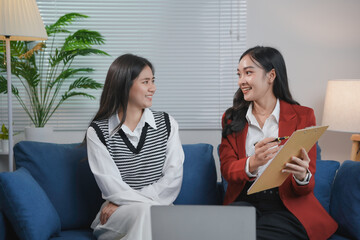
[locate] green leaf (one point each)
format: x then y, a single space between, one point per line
4 133
69 73
88 51
85 83
16 47
82 39
62 22
28 72
68 95
4 129
56 58
3 86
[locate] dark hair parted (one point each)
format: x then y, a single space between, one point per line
119 79
267 58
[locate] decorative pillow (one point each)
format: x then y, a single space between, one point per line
27 207
63 171
345 199
199 185
324 178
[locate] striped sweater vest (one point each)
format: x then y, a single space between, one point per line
140 166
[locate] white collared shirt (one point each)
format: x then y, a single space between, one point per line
256 133
133 136
108 177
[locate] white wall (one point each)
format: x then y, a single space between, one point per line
320 41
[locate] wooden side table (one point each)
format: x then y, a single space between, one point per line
355 151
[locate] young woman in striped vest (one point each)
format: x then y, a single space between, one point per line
134 153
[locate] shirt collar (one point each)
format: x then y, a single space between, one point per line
275 113
147 117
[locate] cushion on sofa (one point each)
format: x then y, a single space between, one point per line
27 206
345 208
324 178
199 184
64 173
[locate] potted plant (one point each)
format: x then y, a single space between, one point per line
4 138
43 68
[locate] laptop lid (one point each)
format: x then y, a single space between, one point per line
187 222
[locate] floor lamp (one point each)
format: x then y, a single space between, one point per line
20 20
342 110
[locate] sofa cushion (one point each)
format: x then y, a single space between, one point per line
345 199
338 237
318 151
83 234
324 178
199 184
27 206
62 170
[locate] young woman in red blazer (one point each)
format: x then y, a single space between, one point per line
263 109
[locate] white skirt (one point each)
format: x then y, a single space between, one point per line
128 222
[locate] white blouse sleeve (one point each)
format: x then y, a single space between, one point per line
107 175
167 188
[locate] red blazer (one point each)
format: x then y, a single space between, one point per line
299 200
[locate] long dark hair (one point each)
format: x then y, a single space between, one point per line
267 58
119 79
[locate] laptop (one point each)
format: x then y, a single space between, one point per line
188 222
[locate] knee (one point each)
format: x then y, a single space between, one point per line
141 209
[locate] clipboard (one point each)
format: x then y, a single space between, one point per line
272 175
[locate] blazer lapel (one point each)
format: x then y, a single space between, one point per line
241 139
287 125
287 120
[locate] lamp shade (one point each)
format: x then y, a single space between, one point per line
342 105
21 21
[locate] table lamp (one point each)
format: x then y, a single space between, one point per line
342 110
20 20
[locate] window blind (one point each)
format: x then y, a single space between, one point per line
194 46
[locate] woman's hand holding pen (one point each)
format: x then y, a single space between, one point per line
299 166
264 151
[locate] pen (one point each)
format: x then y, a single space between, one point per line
278 139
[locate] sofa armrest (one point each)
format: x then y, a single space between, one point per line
345 199
324 178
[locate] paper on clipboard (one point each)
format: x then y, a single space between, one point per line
272 175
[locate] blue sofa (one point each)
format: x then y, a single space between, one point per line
53 195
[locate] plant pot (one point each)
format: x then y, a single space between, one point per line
4 146
42 134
